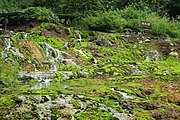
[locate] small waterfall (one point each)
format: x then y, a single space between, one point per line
51 52
79 35
83 53
53 67
8 42
124 95
54 56
13 50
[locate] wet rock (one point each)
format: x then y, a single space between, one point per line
44 99
1 31
124 95
175 54
102 41
157 115
127 105
31 24
127 31
165 47
149 106
146 92
136 70
153 56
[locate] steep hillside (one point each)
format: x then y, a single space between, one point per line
57 72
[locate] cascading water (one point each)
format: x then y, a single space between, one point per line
79 35
83 53
8 42
53 67
50 51
54 56
9 49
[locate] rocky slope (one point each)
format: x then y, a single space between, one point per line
66 73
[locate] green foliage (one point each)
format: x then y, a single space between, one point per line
95 114
67 67
142 114
8 73
131 18
6 102
58 77
163 26
81 6
40 14
106 21
14 5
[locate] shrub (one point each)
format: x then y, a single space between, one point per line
116 21
40 14
163 26
107 22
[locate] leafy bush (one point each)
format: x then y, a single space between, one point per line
164 26
8 73
107 22
161 27
39 13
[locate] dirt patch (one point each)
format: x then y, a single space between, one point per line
37 53
27 67
30 49
149 82
173 92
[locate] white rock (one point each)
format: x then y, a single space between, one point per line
173 54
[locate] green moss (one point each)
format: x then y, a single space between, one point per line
141 114
95 114
67 67
28 117
77 105
56 113
7 102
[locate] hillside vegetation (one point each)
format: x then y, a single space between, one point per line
105 64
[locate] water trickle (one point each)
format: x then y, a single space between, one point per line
70 61
15 52
124 95
66 74
41 85
136 70
79 35
83 53
8 42
53 67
